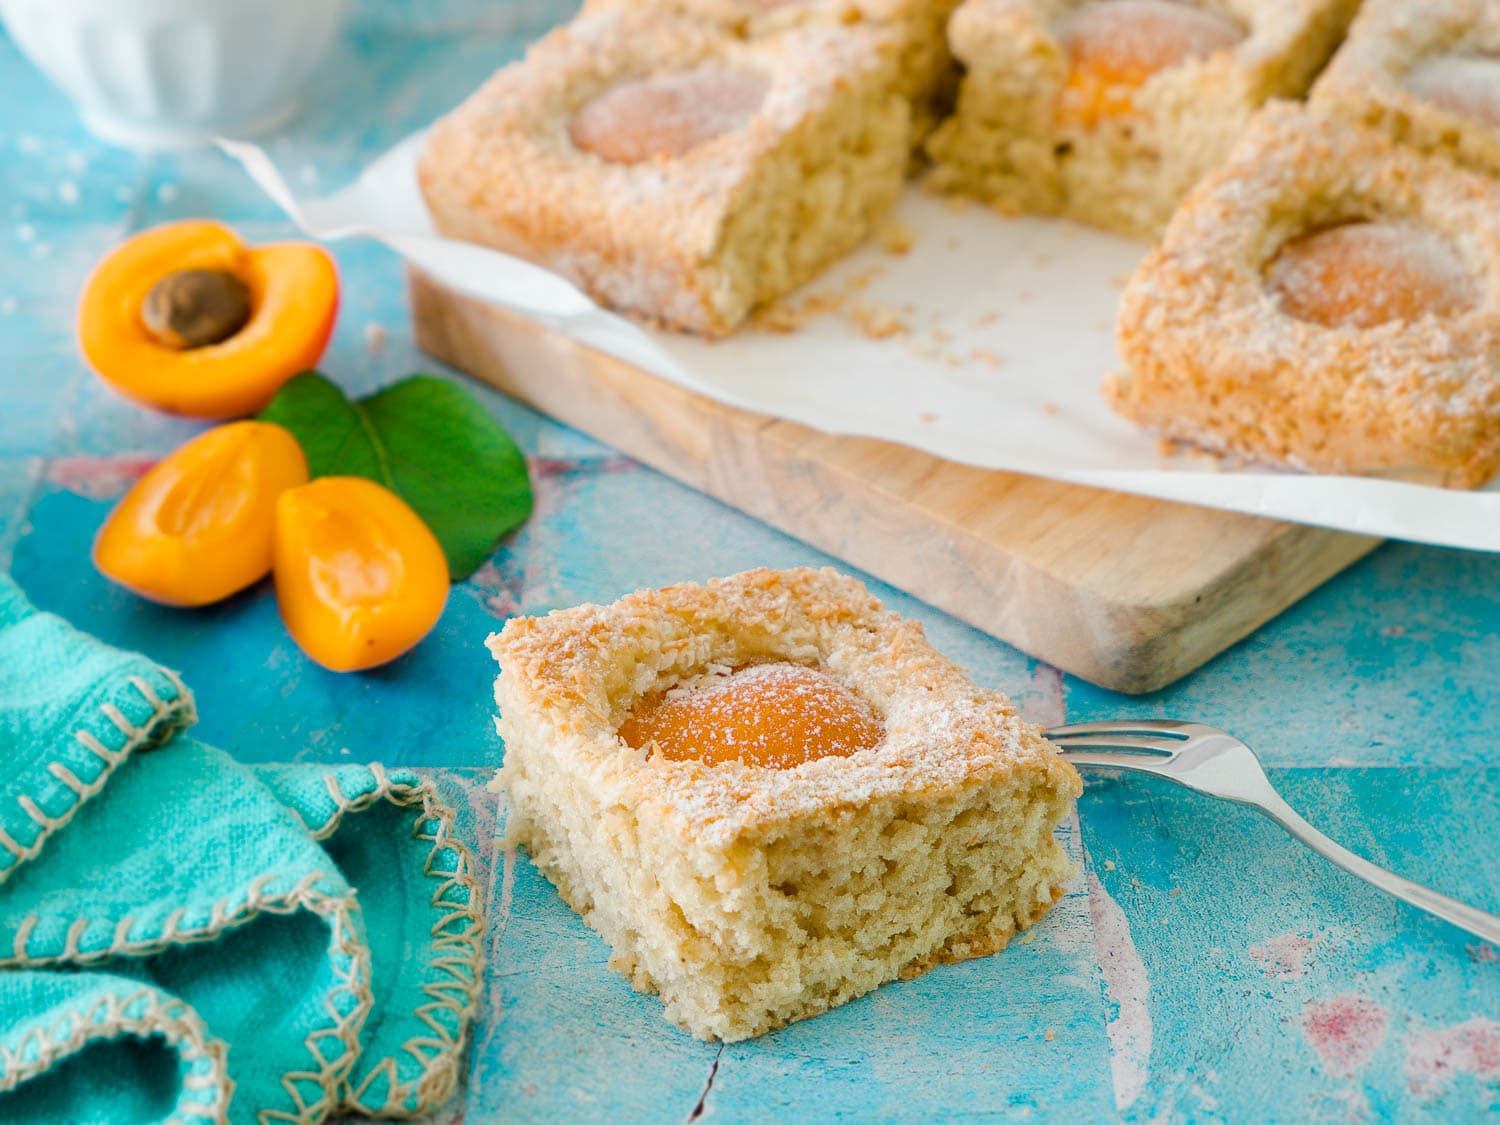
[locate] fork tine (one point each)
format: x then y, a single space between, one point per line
1154 764
1164 728
1127 742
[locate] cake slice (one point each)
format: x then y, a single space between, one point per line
1426 72
770 795
1108 111
1329 300
672 168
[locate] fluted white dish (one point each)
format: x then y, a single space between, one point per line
173 73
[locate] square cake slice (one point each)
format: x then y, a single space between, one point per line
672 168
770 795
1108 111
1327 299
1426 72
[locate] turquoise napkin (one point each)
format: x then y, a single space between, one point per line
185 938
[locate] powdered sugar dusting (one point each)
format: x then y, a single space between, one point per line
1468 85
1133 39
667 116
1365 274
775 714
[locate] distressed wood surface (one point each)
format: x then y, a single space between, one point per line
1205 969
1127 592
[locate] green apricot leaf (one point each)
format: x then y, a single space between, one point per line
429 441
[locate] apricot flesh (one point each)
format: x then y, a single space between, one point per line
1115 46
293 301
775 715
666 116
360 579
1364 274
199 525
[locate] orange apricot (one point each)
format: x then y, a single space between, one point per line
666 116
1114 47
773 715
359 577
140 308
198 526
1364 274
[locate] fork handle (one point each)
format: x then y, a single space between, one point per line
1460 914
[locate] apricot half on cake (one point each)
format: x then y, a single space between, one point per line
188 319
1328 300
770 795
1108 111
1425 72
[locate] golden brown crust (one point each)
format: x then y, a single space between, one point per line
580 671
693 242
1212 359
1367 79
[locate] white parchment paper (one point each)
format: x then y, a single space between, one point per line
984 343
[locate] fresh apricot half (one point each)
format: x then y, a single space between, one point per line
188 319
359 577
198 526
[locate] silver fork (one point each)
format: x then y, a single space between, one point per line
1208 760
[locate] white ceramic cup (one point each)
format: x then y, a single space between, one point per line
173 73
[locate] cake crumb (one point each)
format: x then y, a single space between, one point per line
878 322
1050 408
1109 865
896 237
1050 1034
985 356
375 337
985 319
1176 891
927 417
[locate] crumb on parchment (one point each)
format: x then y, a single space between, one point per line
896 237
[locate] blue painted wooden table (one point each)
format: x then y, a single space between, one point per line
1206 968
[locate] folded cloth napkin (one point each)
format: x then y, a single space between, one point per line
185 938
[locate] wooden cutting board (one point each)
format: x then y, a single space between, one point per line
1127 592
